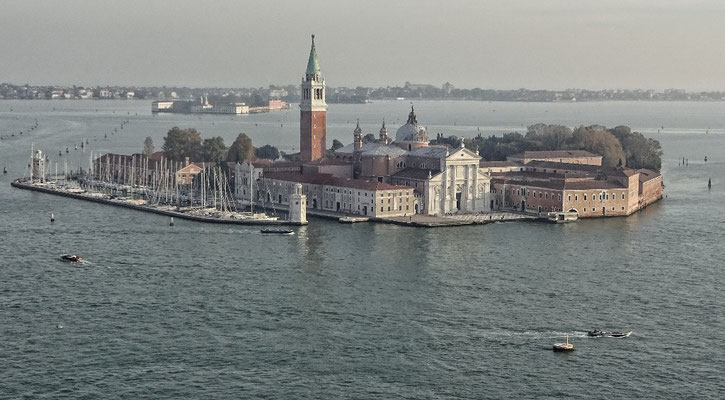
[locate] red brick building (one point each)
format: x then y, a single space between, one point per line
313 111
588 190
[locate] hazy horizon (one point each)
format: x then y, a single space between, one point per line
616 44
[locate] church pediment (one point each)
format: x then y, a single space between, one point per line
463 154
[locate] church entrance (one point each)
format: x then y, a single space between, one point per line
458 201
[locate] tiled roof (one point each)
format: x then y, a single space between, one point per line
553 165
415 173
328 179
328 161
373 149
592 184
647 174
554 154
384 150
485 164
550 184
585 168
561 184
429 151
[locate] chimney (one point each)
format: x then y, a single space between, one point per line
186 161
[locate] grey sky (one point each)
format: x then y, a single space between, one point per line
552 44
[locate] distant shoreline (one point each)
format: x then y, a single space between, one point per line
425 99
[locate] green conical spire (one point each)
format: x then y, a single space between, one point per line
313 66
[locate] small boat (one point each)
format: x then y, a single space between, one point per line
352 220
71 258
564 346
613 334
562 217
269 231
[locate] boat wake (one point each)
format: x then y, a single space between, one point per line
534 334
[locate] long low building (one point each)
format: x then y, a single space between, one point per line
324 192
588 190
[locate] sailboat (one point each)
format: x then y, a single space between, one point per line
564 346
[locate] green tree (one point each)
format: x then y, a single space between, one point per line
641 152
336 144
180 143
550 137
258 101
267 151
213 149
369 138
148 146
598 140
241 150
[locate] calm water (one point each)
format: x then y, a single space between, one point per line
363 311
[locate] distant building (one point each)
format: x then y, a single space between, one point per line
277 93
277 105
185 176
162 106
201 106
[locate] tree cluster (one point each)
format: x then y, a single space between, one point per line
617 146
181 143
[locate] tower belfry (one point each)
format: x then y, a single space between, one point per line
313 110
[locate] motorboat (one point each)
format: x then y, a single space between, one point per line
352 220
562 217
613 334
71 258
564 346
268 231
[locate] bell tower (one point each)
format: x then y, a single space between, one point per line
313 111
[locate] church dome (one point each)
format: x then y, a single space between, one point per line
411 131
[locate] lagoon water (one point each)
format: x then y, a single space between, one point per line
363 311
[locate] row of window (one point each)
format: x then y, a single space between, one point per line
400 208
602 196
